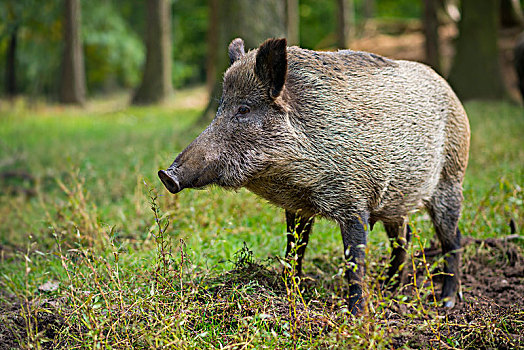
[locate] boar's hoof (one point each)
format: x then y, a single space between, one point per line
449 303
169 180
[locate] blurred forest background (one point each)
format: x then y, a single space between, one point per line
72 50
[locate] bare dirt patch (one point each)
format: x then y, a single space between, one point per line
23 321
491 314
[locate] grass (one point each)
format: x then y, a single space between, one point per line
128 265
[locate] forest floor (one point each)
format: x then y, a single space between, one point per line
87 261
491 315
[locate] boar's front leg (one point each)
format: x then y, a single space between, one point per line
300 226
354 239
400 235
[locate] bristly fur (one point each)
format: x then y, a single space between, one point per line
351 136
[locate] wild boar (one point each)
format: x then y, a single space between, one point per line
349 136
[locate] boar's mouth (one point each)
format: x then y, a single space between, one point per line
176 181
169 180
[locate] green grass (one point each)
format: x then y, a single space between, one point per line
83 218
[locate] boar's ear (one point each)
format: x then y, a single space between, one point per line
236 50
271 65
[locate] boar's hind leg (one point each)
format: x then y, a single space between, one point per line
299 226
354 239
399 235
444 209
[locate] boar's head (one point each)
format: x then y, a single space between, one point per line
248 135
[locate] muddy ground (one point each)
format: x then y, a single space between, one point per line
491 314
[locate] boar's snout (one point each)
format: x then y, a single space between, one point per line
169 179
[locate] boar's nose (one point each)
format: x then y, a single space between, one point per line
169 180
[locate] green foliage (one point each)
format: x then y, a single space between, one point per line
114 54
318 18
317 23
113 32
398 8
190 21
39 42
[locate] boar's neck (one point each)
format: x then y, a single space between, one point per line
283 193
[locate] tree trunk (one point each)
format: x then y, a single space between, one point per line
293 21
10 74
156 82
518 62
212 46
431 34
345 23
475 73
369 9
73 82
510 13
253 21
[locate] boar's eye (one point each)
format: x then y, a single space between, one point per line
243 110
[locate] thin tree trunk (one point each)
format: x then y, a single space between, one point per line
475 73
345 23
431 34
73 85
293 22
369 9
156 81
518 63
212 46
10 74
